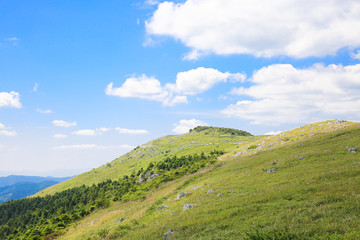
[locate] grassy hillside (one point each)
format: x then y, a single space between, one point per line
155 150
312 192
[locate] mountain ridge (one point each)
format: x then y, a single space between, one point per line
13 179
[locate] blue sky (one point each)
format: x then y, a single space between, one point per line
82 82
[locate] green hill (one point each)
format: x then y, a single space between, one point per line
313 193
168 146
300 184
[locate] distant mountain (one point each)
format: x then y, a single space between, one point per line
22 189
13 179
17 186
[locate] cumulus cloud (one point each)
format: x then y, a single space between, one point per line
183 126
60 136
259 27
190 82
62 123
47 111
11 99
131 131
90 146
142 87
5 132
145 87
90 132
199 80
281 93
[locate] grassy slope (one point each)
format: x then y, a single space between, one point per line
317 196
154 150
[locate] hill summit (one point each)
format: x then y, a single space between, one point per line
219 130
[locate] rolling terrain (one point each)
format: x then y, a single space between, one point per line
300 184
313 192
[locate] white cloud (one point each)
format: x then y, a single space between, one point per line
90 132
259 27
190 82
183 126
85 132
131 131
62 123
11 99
5 132
273 133
103 129
199 80
12 40
281 93
141 87
59 136
47 111
151 2
90 146
145 87
8 133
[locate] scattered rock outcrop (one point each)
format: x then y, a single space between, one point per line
270 170
152 177
180 195
140 179
352 150
210 191
120 220
168 234
187 206
162 207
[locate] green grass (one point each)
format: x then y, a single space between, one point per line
313 194
155 150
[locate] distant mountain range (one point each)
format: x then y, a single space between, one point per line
16 186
